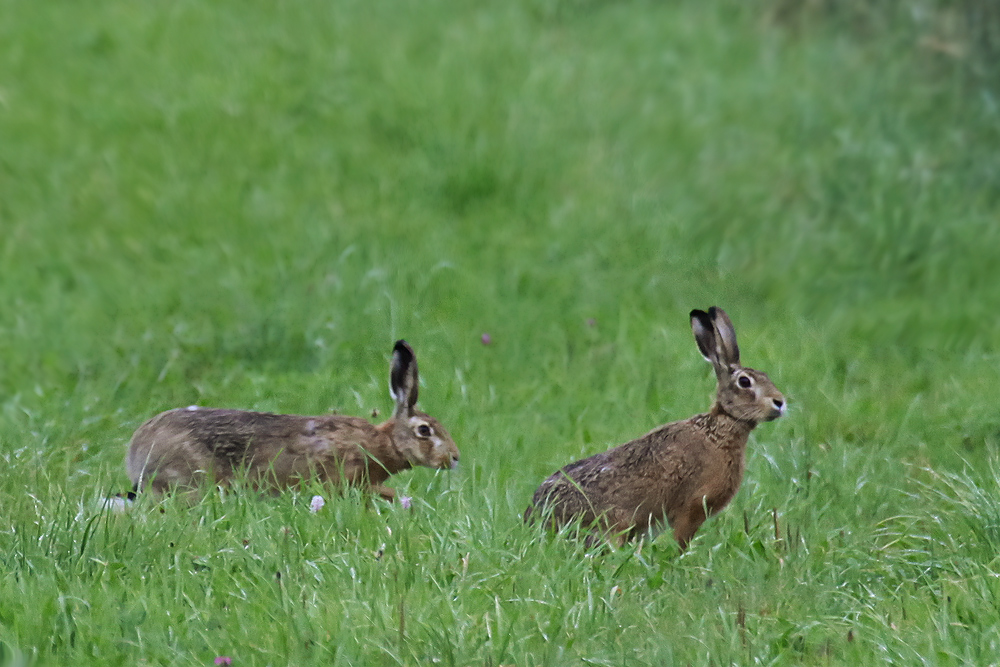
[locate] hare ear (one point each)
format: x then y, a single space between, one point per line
403 380
726 337
704 335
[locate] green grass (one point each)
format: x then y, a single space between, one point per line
244 204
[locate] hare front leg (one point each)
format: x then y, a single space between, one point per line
384 491
687 523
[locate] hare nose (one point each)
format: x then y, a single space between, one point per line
778 403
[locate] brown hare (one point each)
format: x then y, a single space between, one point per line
183 447
680 472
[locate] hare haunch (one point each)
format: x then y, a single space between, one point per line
181 448
681 472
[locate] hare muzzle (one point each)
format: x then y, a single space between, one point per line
778 408
772 402
447 454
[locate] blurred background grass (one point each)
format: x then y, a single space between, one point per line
244 204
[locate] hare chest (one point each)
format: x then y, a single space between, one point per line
720 479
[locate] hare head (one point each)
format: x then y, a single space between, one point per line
418 436
743 393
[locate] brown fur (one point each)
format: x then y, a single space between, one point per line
183 447
679 473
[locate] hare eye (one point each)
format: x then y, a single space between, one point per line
744 381
424 431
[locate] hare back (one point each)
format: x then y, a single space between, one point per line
178 447
645 482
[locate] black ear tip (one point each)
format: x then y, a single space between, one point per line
403 356
703 318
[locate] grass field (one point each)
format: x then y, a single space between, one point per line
243 204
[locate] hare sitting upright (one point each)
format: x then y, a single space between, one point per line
681 472
183 447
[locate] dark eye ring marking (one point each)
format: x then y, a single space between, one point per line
744 381
424 431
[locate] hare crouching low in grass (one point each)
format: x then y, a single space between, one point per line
184 447
680 472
